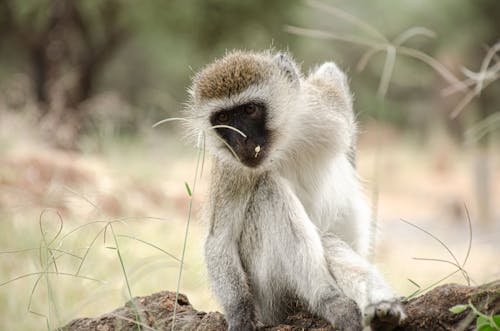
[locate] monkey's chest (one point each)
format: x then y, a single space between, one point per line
263 258
263 246
267 230
251 244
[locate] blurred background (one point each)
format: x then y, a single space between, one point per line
93 202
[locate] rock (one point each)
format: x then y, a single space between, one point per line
429 311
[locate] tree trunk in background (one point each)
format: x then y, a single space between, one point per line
482 163
482 175
66 55
488 104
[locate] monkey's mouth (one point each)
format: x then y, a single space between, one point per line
251 156
248 146
254 158
248 152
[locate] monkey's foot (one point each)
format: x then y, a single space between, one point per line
242 327
384 315
345 316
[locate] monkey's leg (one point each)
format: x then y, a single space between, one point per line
362 282
329 302
229 282
316 285
303 261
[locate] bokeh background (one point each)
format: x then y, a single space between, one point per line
93 200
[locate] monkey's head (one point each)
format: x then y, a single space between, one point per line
241 101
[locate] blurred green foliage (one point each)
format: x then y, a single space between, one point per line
164 42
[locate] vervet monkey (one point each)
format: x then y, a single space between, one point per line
289 226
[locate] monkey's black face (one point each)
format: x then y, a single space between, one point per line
250 119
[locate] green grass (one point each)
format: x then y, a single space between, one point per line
64 293
483 322
82 261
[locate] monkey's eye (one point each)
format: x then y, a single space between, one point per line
250 108
223 117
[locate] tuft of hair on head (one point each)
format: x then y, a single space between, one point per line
230 75
238 70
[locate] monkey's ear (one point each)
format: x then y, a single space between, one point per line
288 66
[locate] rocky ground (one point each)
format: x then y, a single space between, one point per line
429 311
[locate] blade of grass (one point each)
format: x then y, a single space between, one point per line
190 206
431 285
320 34
455 263
348 17
125 276
151 245
37 273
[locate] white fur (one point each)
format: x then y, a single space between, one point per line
314 128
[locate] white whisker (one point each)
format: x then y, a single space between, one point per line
227 127
171 119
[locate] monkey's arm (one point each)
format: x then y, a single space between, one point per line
229 281
328 118
308 267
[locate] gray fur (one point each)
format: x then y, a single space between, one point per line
293 232
288 66
267 253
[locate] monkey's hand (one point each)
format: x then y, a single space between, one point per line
385 315
331 72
